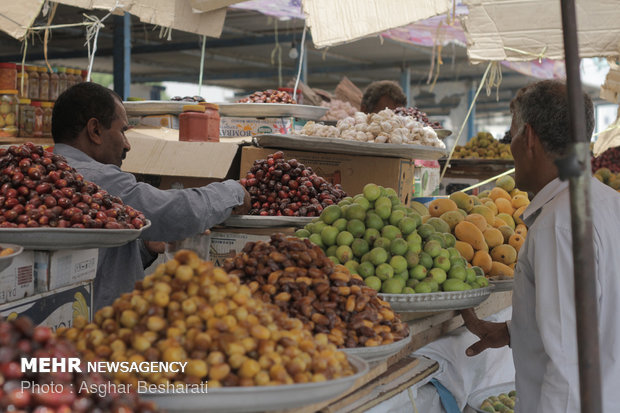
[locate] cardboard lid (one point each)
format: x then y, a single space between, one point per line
193 108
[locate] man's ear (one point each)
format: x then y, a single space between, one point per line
93 131
531 138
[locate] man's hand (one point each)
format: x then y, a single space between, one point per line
492 335
245 207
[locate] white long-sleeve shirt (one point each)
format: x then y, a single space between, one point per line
543 329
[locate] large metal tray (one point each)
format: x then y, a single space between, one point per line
443 133
440 301
8 259
47 238
259 398
259 221
155 107
272 110
337 145
377 353
476 398
502 285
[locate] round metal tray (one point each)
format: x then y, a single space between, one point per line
265 110
48 238
476 398
259 398
259 221
8 259
377 353
443 133
502 285
440 301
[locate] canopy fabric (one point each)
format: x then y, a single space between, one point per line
530 29
17 17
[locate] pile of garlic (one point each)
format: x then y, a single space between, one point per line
382 127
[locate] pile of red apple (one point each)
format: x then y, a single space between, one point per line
609 159
31 392
39 189
280 187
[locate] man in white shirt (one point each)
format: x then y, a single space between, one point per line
542 332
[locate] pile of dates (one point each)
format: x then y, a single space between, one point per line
39 189
269 96
288 188
609 159
193 99
418 115
297 276
56 392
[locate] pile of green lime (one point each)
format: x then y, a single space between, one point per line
504 403
385 242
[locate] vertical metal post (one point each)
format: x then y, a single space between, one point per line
576 167
304 66
471 125
405 83
122 55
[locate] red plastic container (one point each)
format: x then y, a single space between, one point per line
200 123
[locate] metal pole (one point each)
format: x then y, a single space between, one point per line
405 83
471 125
576 168
122 55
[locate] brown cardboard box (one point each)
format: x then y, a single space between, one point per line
180 164
350 171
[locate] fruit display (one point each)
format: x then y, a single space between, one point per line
488 229
382 127
483 146
504 403
269 96
608 178
387 244
610 159
418 115
6 251
298 277
189 310
9 110
338 109
280 187
39 189
194 99
70 391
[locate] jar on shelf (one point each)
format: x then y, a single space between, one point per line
70 79
84 75
62 80
213 126
48 108
9 111
8 76
77 76
44 83
194 124
38 119
22 86
33 82
53 95
26 118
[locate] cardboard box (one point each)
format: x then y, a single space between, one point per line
18 280
66 267
160 121
427 174
55 308
233 127
180 164
350 171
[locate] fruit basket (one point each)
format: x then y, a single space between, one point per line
337 145
49 238
476 399
439 301
6 260
259 398
272 110
259 221
377 353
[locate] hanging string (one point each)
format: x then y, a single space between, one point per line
202 64
301 60
471 107
46 36
277 49
494 79
540 56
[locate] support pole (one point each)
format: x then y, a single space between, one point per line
471 125
576 168
405 83
122 55
304 65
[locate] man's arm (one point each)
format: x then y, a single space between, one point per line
492 335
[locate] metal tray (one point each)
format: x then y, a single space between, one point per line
259 398
155 107
47 238
8 259
377 353
443 133
259 221
440 301
337 145
502 285
272 110
476 398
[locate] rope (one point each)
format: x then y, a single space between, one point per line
277 49
202 64
415 408
46 36
494 79
469 188
540 56
301 59
471 107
